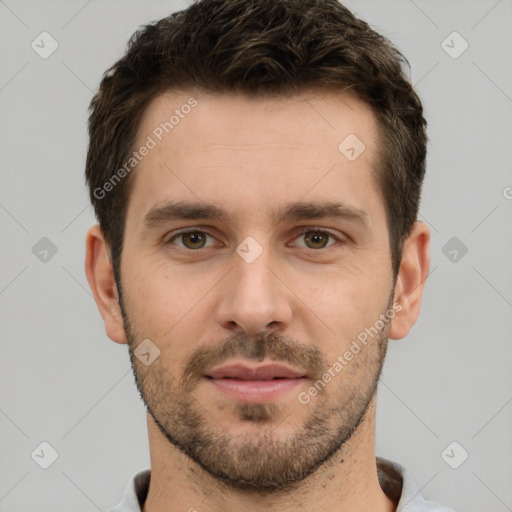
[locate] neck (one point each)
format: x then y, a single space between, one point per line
348 481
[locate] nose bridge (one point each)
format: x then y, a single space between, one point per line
253 298
251 272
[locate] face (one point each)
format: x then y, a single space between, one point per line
256 258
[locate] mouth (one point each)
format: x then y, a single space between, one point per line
263 383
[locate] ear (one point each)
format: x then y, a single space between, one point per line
100 275
411 278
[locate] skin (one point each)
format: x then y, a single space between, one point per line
252 157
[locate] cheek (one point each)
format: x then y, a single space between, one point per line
345 300
157 292
350 308
167 306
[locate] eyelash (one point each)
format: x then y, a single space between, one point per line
303 231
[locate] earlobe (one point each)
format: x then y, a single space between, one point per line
100 275
411 280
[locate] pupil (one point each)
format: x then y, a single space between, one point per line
194 239
316 238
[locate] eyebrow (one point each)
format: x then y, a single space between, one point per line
186 210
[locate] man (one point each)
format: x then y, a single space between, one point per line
256 170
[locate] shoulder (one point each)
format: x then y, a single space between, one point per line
400 486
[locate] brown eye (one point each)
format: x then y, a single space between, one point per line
193 240
316 239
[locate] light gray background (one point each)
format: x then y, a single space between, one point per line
64 382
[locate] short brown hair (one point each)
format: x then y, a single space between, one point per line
259 48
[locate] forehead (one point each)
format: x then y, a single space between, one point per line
304 119
250 152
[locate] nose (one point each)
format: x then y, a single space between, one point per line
253 297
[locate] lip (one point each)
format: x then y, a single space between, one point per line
267 371
262 383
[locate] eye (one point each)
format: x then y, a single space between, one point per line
195 240
192 240
317 238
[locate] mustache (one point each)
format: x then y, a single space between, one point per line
257 348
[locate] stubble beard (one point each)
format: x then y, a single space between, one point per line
260 460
